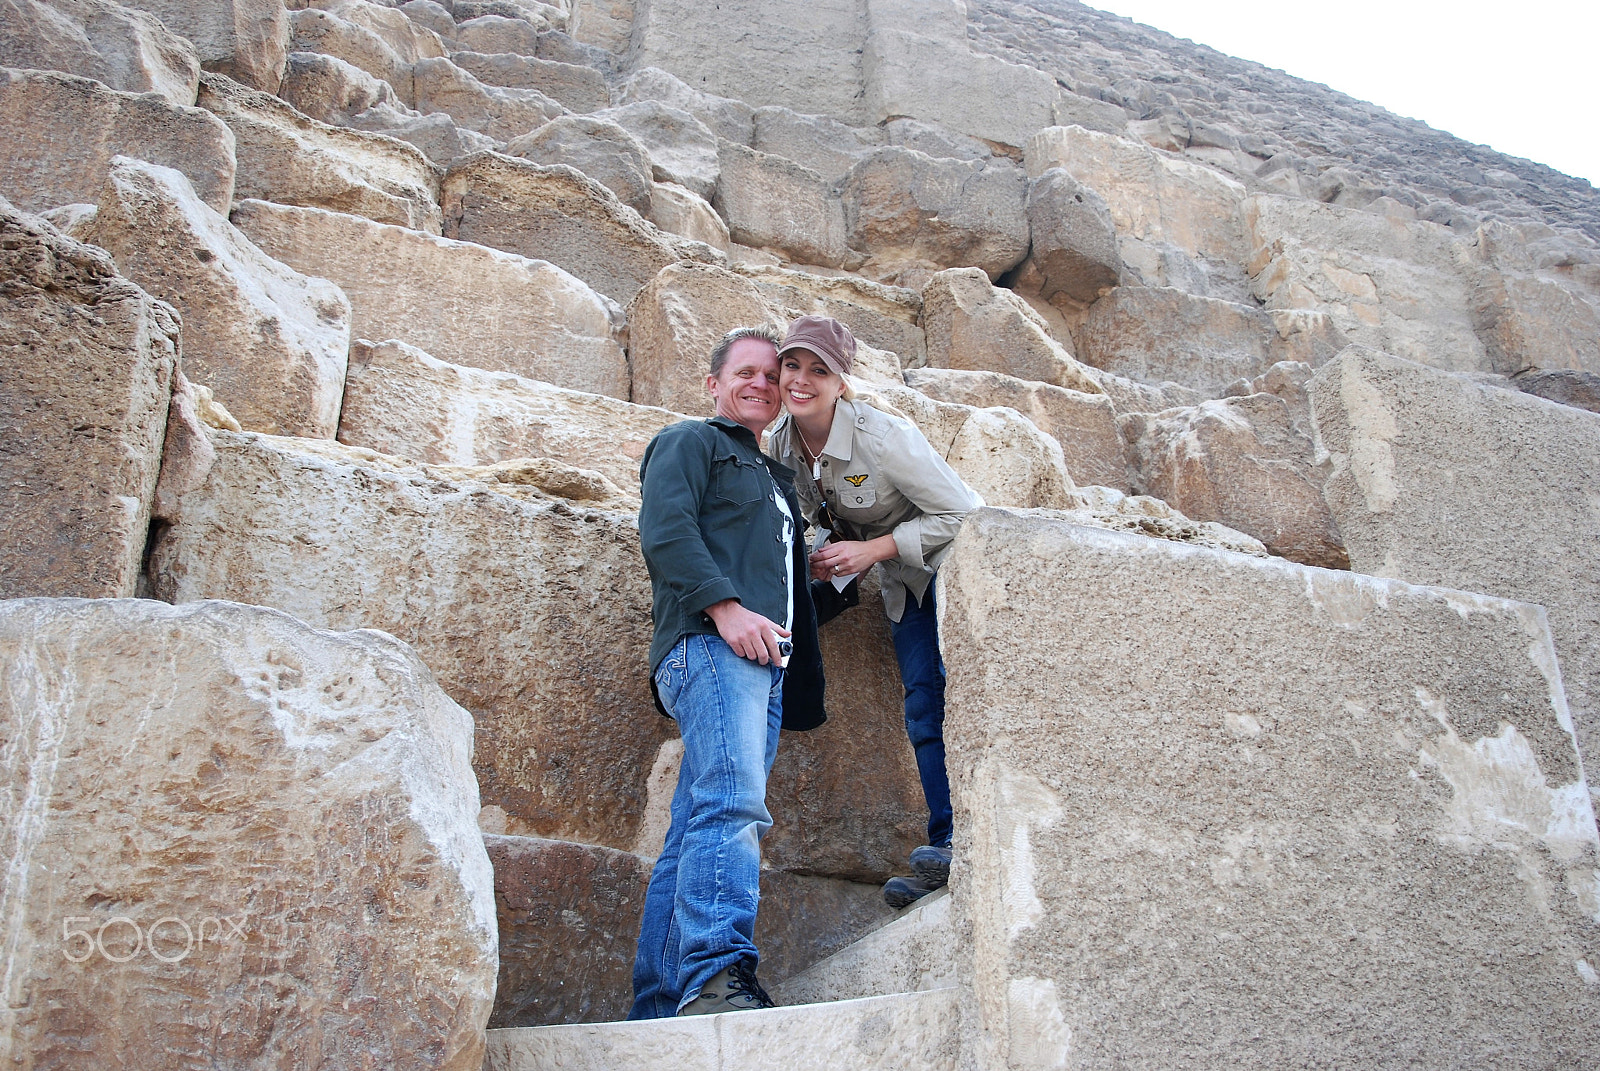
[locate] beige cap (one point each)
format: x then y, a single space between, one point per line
825 337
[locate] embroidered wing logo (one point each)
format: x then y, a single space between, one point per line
856 481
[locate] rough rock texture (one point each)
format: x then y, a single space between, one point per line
884 317
1579 389
773 203
85 124
271 343
286 157
332 90
247 40
974 325
804 919
1437 479
399 400
1529 307
262 804
682 149
685 213
1242 463
503 114
1249 789
723 116
461 302
325 33
125 49
599 148
1074 241
496 34
555 214
1084 424
825 145
86 367
579 88
405 36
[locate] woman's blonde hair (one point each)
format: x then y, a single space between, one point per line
857 391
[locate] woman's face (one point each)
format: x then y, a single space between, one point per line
808 387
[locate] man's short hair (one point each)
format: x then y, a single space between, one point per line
719 352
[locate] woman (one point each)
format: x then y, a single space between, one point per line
871 479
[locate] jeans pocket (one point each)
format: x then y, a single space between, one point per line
673 671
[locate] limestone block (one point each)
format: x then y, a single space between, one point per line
436 135
972 324
804 918
1161 334
825 145
725 117
233 801
773 203
432 292
912 954
1074 109
935 140
502 114
1580 389
1239 462
675 321
682 149
540 15
1084 424
884 317
331 90
533 613
1294 768
603 24
85 124
1399 285
247 40
582 89
1437 479
559 46
557 214
599 148
1074 240
1528 322
430 16
126 49
325 33
496 34
944 81
87 367
400 401
287 157
686 214
906 209
569 923
271 343
408 40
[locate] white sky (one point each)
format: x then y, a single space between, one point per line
1520 77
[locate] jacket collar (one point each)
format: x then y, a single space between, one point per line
745 435
841 435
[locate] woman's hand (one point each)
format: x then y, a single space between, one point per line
851 556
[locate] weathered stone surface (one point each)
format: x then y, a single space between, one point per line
1531 309
972 324
539 15
503 114
825 145
496 34
1084 424
773 203
582 89
912 954
286 157
569 921
1074 240
85 124
270 342
126 49
935 140
599 148
430 16
332 90
399 400
682 212
1242 463
1141 515
323 32
258 802
675 321
604 24
908 211
1300 767
723 116
884 317
408 40
1437 479
436 135
804 918
247 40
463 303
1579 389
556 214
533 614
1161 334
87 367
682 149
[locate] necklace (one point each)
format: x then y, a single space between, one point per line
816 455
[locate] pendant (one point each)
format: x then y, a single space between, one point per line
816 471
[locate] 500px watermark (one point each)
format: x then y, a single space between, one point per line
120 938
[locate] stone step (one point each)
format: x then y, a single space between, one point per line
910 1031
912 953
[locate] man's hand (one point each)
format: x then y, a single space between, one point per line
848 557
747 632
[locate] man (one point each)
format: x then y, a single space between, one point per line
719 527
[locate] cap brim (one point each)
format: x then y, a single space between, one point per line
827 358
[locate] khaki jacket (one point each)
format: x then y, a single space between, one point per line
880 476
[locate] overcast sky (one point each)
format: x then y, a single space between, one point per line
1519 77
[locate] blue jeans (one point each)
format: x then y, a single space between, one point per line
916 648
700 909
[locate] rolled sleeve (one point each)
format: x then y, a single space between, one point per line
943 498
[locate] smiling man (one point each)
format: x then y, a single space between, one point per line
719 531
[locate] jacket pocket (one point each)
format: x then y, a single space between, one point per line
857 490
735 481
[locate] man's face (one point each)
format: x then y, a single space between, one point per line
746 391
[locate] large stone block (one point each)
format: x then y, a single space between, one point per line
773 203
126 49
247 40
599 148
1436 479
603 24
825 145
682 149
271 343
502 114
723 116
399 400
972 324
1250 804
804 919
85 125
556 214
685 213
579 88
463 303
86 367
325 33
497 35
290 158
884 317
332 90
1074 241
1084 424
908 211
408 39
236 841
